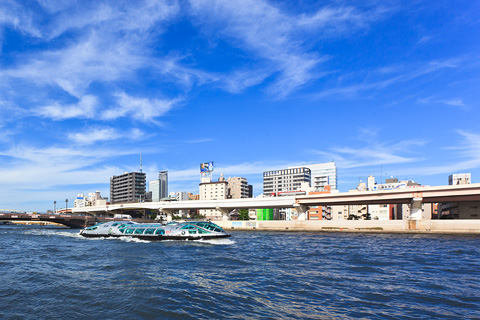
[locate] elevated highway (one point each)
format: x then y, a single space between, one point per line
413 196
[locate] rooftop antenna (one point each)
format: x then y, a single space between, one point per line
140 162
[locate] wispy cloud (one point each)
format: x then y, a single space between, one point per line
96 134
372 152
366 82
262 28
142 109
200 140
453 102
85 108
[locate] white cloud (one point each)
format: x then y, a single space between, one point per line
454 102
142 109
259 27
85 108
93 135
277 38
13 15
398 75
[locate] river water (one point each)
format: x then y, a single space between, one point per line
53 273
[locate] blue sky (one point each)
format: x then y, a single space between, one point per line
380 87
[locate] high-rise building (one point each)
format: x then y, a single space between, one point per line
163 186
322 174
159 187
238 188
128 187
154 188
285 180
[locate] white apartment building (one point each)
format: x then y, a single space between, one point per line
460 178
213 190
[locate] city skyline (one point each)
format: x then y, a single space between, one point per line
381 88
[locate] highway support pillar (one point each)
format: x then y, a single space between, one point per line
301 210
415 214
416 209
169 213
224 213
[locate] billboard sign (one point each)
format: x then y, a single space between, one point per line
206 166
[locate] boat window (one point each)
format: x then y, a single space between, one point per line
92 228
149 231
122 230
160 231
139 231
210 226
188 227
129 231
190 231
203 231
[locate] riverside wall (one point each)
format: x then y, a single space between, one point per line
372 226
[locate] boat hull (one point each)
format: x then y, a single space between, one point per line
192 230
156 238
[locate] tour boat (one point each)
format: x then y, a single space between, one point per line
156 231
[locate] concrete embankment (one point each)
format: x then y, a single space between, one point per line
373 226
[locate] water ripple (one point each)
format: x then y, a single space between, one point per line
57 274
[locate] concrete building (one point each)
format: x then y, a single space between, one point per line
213 190
378 211
285 180
390 184
460 178
322 175
159 187
339 212
93 199
163 184
238 188
128 187
457 210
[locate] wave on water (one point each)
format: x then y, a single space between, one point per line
130 239
222 241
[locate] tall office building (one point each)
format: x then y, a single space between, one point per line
163 186
323 174
159 187
285 180
128 187
154 188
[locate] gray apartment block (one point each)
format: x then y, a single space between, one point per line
128 187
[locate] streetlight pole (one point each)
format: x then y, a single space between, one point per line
54 207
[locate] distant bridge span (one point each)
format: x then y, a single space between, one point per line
71 221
